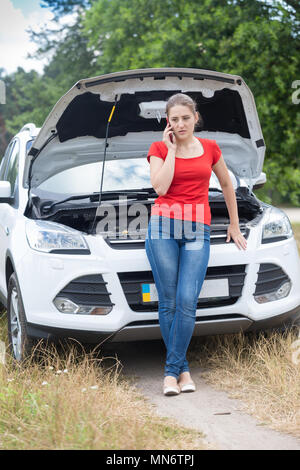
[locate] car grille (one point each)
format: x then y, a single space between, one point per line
269 278
87 290
218 235
131 284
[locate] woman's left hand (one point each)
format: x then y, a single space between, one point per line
234 232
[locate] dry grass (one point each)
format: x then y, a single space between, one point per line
296 230
259 370
70 399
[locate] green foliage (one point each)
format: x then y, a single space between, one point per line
256 39
72 60
29 99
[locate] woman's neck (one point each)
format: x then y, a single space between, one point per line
186 143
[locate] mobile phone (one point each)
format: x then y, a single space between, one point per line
171 136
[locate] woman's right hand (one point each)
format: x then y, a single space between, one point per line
167 138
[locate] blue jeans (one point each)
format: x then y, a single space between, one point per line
178 253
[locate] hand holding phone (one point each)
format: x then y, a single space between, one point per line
169 137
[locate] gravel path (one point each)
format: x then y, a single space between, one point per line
210 411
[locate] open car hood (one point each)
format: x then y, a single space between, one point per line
74 132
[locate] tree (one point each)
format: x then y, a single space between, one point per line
63 7
65 46
258 40
29 99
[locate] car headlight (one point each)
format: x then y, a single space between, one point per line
50 237
276 226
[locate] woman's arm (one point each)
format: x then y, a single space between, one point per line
162 172
221 171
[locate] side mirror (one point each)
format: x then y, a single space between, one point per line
5 192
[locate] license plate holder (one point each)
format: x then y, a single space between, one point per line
211 288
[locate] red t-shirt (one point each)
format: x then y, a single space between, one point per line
187 196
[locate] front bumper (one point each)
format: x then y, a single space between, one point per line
203 327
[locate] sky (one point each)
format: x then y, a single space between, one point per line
15 17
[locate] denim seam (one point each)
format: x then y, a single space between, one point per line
174 335
153 258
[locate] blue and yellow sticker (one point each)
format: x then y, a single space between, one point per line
146 293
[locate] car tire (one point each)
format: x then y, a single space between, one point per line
20 344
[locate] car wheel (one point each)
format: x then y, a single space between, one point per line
19 343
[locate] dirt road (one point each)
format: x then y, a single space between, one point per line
222 420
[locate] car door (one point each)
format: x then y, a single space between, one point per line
9 172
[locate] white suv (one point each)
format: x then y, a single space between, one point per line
71 267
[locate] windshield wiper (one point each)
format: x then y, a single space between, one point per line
137 193
106 195
47 207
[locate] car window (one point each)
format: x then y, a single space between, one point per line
5 159
131 173
13 166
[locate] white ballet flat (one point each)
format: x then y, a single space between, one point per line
190 387
171 391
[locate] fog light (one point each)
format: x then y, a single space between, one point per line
284 290
280 293
65 305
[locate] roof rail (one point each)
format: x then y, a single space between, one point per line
29 127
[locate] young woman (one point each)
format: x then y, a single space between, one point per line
178 238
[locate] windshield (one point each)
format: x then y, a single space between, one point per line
133 173
126 174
